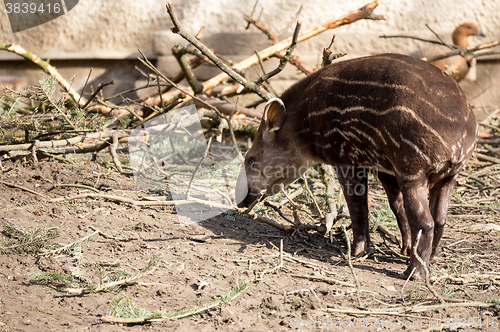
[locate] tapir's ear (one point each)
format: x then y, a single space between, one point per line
274 114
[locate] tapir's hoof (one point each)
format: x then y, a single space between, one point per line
433 259
359 249
419 274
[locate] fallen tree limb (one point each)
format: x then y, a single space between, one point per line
22 188
51 70
479 156
412 309
227 108
365 12
65 142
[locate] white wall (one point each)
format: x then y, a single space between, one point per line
98 29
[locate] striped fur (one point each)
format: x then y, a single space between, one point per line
396 114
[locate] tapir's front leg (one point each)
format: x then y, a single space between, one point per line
354 182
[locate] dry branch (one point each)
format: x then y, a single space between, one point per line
397 311
324 279
66 142
349 262
365 12
216 60
463 51
294 60
227 108
22 188
51 70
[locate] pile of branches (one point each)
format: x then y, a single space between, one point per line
37 122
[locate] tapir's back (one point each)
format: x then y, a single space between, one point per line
404 117
392 111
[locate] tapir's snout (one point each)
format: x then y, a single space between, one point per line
241 191
244 195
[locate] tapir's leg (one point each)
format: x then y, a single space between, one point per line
419 216
395 197
439 199
354 182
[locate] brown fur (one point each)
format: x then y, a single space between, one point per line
398 115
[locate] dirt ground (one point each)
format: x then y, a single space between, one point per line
206 260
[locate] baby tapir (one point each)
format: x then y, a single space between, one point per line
398 116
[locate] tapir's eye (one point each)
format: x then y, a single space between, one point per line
251 161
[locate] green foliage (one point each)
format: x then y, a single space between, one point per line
125 308
449 292
44 113
33 242
54 279
385 217
109 282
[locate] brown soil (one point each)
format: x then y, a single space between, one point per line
231 252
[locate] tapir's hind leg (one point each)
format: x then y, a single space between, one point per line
439 199
396 203
415 197
354 184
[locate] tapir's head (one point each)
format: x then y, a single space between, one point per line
275 157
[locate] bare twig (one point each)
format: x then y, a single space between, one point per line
285 58
85 85
349 262
277 209
294 60
399 311
365 12
46 67
404 285
206 51
412 37
99 88
440 39
324 279
426 270
81 186
22 188
205 155
463 51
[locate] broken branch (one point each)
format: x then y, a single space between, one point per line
463 51
365 12
218 62
51 70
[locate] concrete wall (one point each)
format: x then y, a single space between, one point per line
104 33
